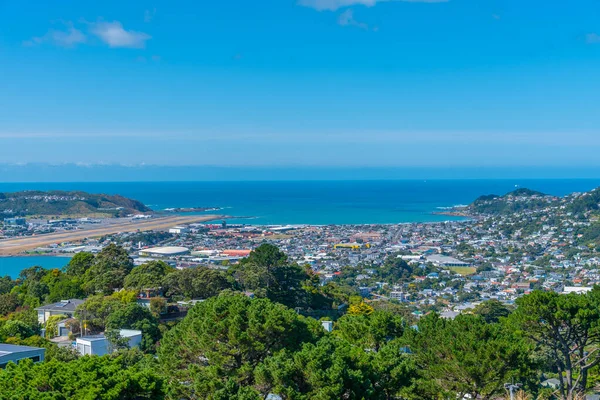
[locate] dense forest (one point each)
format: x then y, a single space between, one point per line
255 336
60 203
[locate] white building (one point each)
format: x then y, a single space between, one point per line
14 353
168 251
396 295
98 344
576 289
445 261
179 230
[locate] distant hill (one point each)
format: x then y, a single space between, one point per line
67 204
586 202
518 200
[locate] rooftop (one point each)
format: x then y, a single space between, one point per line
63 305
166 251
12 348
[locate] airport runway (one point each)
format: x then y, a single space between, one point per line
19 245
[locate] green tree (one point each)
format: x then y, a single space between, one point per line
333 369
394 270
148 276
267 273
227 337
492 310
196 283
109 270
370 331
467 357
566 326
79 264
15 329
134 316
8 303
123 377
266 255
65 287
96 310
6 284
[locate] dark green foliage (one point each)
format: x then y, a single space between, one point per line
267 273
148 276
109 378
96 310
108 271
79 264
134 316
568 328
370 332
196 283
227 337
8 303
395 270
467 356
492 310
267 256
6 285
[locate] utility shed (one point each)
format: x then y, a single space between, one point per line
14 353
98 344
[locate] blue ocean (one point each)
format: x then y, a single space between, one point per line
317 202
302 202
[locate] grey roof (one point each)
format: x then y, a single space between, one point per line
63 305
12 348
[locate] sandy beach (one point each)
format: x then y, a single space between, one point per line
18 245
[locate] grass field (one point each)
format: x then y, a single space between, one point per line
463 270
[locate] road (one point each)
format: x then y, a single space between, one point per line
19 245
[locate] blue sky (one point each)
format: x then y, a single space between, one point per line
465 83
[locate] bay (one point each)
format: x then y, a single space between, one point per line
12 266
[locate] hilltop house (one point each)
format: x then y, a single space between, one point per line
63 307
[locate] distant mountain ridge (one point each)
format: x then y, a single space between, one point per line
67 203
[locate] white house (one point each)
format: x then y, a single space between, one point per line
98 344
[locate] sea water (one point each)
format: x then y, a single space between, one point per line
12 266
317 202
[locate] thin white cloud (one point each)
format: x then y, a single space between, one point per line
347 19
62 38
114 35
332 5
592 38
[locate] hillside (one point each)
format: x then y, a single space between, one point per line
516 201
61 203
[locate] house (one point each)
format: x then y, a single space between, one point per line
98 344
14 353
63 307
